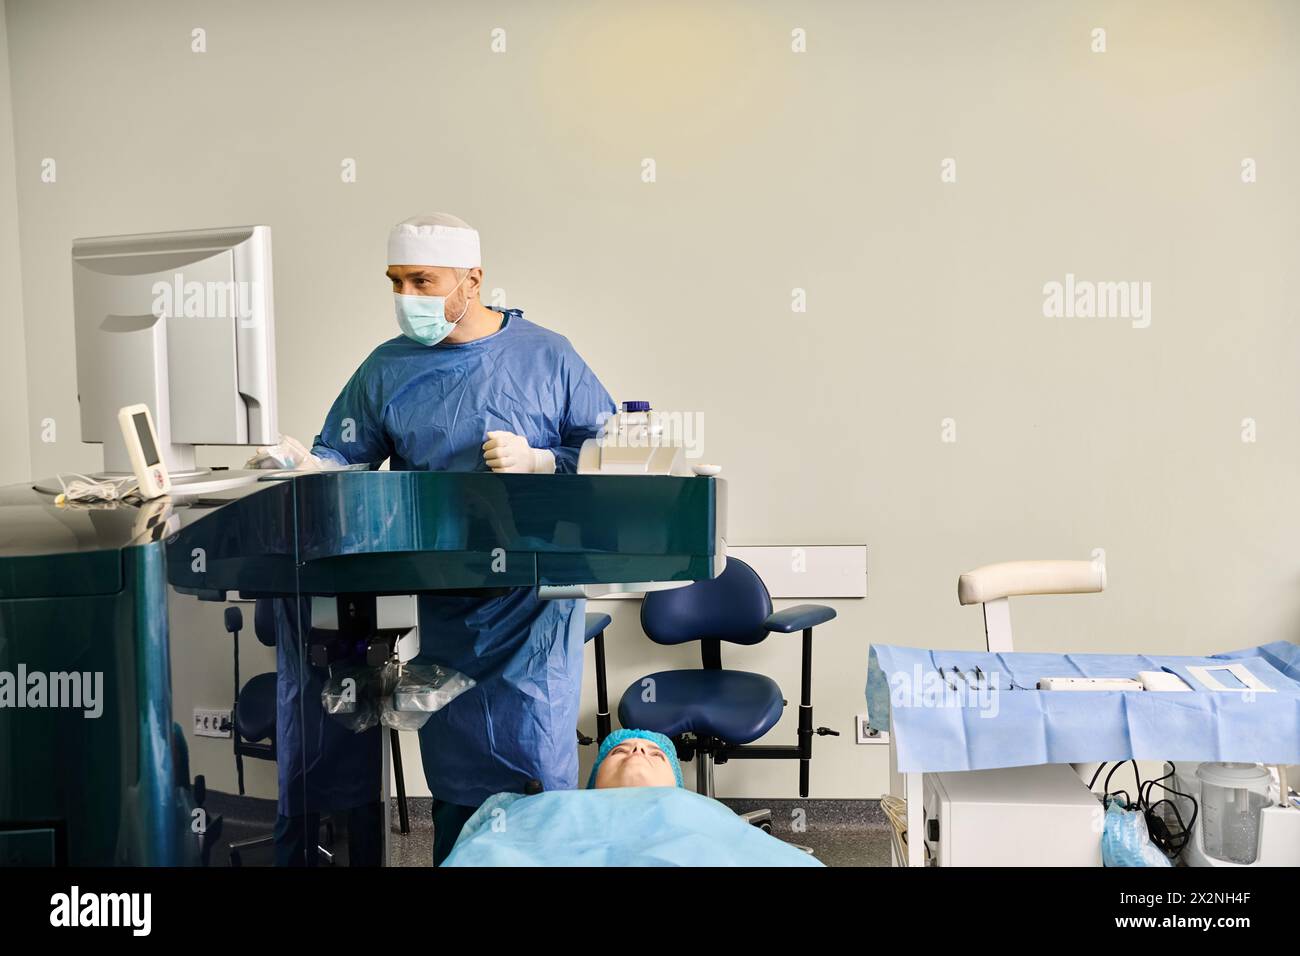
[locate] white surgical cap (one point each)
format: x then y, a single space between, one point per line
436 240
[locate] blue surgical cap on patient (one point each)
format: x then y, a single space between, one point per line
619 736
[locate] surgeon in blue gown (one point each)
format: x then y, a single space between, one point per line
467 387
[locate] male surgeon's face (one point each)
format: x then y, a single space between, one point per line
636 763
437 280
432 280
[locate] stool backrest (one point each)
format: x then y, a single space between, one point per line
731 607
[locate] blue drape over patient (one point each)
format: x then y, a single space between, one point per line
620 826
430 408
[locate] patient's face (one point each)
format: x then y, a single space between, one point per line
636 763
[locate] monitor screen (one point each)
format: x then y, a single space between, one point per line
145 434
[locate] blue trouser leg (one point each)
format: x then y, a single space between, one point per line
293 837
366 835
296 838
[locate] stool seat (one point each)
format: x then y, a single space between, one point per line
735 706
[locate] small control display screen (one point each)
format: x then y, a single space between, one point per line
145 434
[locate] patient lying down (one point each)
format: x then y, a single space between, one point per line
633 812
635 758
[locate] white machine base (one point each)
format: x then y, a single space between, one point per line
1014 816
1279 830
1279 841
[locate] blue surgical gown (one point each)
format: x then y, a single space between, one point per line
430 408
321 765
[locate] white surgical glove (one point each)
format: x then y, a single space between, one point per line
506 451
288 455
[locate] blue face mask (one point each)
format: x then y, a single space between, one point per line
423 317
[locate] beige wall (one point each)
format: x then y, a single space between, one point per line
775 170
15 462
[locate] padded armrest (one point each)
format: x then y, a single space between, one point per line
798 618
595 625
1010 578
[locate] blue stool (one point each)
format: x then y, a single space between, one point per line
714 714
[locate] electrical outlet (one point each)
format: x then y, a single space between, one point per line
864 735
211 723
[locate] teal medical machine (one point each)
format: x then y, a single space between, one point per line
84 591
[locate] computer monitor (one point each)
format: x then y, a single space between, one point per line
181 322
